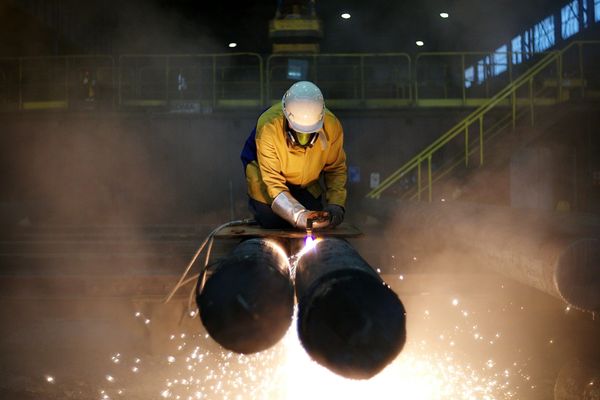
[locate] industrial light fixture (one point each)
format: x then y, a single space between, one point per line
232 45
346 15
444 15
420 43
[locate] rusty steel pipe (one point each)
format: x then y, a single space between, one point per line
349 320
554 254
247 302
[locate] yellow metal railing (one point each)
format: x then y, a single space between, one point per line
347 80
386 80
441 77
207 80
54 82
508 96
491 132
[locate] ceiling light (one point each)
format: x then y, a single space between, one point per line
232 44
444 15
345 16
419 43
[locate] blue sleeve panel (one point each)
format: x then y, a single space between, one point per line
249 151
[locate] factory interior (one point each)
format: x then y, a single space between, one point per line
467 265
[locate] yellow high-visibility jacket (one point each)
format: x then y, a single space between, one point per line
279 163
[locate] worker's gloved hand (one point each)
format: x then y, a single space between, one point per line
336 214
290 209
320 219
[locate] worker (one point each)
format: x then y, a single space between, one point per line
294 143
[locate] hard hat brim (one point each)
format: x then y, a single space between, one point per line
306 128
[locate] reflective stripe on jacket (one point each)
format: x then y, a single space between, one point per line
277 163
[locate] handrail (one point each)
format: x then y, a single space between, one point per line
207 56
487 55
402 68
63 84
501 124
477 115
360 56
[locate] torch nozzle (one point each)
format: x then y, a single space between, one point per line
309 227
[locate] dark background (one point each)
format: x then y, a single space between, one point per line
160 26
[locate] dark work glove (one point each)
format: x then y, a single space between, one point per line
336 214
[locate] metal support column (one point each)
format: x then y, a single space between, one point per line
481 140
531 101
214 81
20 83
466 144
430 183
419 180
167 79
514 108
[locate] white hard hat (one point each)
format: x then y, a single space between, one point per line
303 107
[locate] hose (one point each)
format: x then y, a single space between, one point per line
208 240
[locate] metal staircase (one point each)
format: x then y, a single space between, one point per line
555 78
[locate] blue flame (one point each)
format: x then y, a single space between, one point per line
309 241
